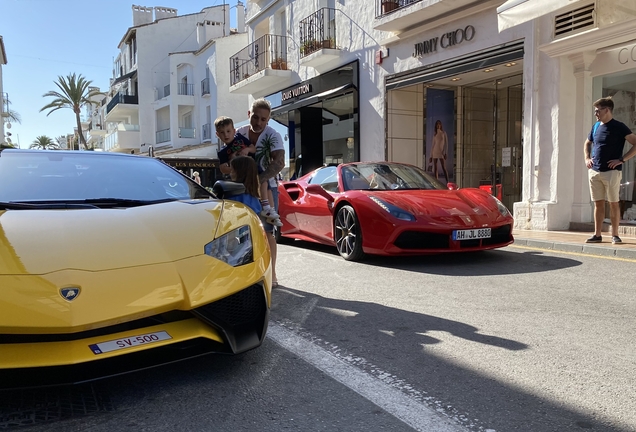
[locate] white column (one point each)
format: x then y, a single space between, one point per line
581 203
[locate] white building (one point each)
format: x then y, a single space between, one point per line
513 84
4 98
170 81
92 121
317 68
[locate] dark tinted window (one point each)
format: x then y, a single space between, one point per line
387 176
65 176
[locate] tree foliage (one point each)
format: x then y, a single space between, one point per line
73 93
43 142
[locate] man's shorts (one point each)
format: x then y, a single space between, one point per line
605 185
269 228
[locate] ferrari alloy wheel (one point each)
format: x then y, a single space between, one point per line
348 234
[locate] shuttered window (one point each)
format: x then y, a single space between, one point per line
574 21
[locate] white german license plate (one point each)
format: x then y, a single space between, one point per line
471 234
129 342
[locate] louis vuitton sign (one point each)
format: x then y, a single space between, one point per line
295 92
446 40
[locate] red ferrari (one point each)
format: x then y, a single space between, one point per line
388 208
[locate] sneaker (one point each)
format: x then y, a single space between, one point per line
594 239
616 240
274 221
269 213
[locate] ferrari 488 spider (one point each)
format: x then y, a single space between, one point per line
112 262
388 208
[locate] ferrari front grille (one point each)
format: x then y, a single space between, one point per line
498 235
422 240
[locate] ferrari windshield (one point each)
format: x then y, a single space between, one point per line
56 176
387 176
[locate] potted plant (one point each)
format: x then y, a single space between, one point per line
329 43
389 5
279 63
309 46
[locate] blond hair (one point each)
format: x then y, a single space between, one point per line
261 103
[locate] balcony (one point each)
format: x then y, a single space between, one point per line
205 87
125 137
162 136
97 130
206 132
185 89
261 67
121 107
400 15
187 132
318 38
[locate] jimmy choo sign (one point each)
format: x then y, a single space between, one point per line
446 40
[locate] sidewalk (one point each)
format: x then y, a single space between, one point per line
573 241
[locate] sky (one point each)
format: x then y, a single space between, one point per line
44 39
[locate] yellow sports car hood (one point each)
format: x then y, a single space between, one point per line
37 242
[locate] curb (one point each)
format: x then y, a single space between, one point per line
605 251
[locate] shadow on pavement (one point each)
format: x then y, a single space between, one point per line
395 341
484 263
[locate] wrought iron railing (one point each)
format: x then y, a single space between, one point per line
206 132
267 52
166 90
121 98
318 31
385 7
163 136
205 86
185 89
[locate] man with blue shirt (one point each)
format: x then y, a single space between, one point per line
603 158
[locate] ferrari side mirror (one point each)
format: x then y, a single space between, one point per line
452 186
318 190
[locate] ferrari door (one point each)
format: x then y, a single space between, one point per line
314 212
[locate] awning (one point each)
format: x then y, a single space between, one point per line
515 12
312 99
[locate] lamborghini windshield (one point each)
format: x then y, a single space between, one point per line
387 176
55 176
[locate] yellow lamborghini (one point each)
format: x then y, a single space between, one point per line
111 263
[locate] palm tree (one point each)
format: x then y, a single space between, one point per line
74 93
43 142
13 116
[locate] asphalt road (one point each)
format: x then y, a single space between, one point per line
509 340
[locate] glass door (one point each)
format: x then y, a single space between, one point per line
492 144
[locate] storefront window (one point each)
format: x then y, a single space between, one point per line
620 87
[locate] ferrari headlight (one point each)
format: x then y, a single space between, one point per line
393 210
233 248
502 208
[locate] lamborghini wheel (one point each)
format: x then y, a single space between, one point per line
348 234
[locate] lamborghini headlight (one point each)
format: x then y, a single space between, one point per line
393 210
234 248
502 208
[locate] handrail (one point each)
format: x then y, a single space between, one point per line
267 52
318 31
